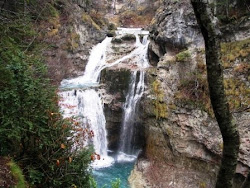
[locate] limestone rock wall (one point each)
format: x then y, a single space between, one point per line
70 36
183 142
181 137
174 27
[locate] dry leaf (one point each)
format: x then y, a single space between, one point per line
63 146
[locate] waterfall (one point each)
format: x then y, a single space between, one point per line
84 103
97 60
127 152
114 6
136 89
80 100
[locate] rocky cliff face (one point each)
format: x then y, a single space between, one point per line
183 141
135 13
173 28
70 34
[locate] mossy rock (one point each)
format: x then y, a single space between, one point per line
232 51
116 81
128 37
111 33
111 27
88 20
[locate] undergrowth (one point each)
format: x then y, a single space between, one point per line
33 132
194 89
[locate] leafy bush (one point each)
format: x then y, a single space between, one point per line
32 131
116 183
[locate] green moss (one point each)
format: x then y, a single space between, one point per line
234 50
160 107
49 12
202 185
172 106
111 33
18 175
111 26
87 19
183 56
169 132
73 41
52 11
237 93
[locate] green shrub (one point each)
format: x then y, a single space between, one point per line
111 26
32 131
183 56
116 183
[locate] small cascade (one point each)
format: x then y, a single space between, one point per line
114 6
93 68
136 89
84 104
127 151
145 39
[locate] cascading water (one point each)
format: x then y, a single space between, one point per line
127 151
85 104
80 99
128 128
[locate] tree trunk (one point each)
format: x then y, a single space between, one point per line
220 106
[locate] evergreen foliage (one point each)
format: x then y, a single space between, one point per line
32 131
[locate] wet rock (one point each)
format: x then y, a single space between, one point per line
116 88
111 33
128 37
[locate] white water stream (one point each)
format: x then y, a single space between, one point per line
127 151
80 100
